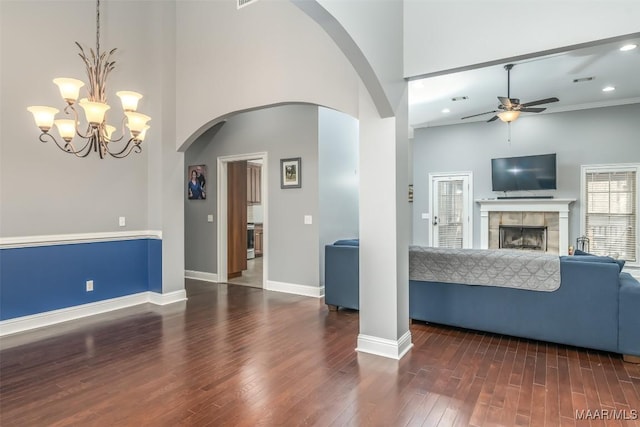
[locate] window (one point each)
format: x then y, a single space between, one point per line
610 210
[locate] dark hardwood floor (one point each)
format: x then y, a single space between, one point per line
239 356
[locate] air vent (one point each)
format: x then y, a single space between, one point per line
243 3
460 98
584 79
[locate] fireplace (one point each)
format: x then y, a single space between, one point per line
552 214
523 237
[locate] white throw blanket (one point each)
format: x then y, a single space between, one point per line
490 267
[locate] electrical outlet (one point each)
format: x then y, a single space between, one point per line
209 218
308 219
89 285
122 221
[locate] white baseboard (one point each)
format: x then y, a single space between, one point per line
292 288
168 298
201 275
384 347
25 323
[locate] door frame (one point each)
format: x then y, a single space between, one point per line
469 205
223 161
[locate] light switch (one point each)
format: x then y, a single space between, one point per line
426 215
122 221
209 218
308 219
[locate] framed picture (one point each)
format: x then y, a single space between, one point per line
197 182
290 173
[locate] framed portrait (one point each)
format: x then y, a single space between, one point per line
291 173
197 182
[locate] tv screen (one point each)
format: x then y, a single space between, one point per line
524 173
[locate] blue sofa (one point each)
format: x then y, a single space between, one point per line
596 306
341 274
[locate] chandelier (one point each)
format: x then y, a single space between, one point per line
98 136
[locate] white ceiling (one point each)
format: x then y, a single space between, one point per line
531 79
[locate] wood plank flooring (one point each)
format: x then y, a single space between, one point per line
239 356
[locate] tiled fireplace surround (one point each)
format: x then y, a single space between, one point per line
550 213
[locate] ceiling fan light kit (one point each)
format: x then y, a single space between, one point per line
510 108
508 116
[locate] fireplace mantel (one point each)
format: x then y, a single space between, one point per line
561 206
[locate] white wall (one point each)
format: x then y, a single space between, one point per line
595 136
446 34
338 179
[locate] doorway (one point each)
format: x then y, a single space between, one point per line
451 206
255 271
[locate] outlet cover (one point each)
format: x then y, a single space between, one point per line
209 218
308 219
89 285
122 221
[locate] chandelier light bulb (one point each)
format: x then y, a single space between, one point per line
69 88
66 128
43 116
136 122
94 111
142 134
129 100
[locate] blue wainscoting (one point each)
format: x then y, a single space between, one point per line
43 278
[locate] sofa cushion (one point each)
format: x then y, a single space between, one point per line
586 257
347 242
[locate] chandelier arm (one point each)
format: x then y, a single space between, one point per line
67 147
121 130
132 145
77 120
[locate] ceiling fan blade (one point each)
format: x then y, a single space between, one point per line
492 119
481 114
508 102
533 110
540 101
505 101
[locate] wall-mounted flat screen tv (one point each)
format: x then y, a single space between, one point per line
524 173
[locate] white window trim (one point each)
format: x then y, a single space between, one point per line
617 167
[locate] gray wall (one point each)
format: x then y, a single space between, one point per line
282 132
45 191
595 136
338 178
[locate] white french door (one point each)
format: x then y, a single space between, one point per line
451 208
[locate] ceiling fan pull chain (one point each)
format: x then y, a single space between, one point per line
509 132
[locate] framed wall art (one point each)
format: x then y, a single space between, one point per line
291 173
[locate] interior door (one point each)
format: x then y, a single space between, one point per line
236 218
450 212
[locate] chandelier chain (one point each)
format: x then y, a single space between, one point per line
98 28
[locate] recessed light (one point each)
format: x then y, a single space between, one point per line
627 47
608 89
446 110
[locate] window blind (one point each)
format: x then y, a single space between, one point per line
610 220
450 209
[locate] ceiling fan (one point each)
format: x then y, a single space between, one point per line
510 108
